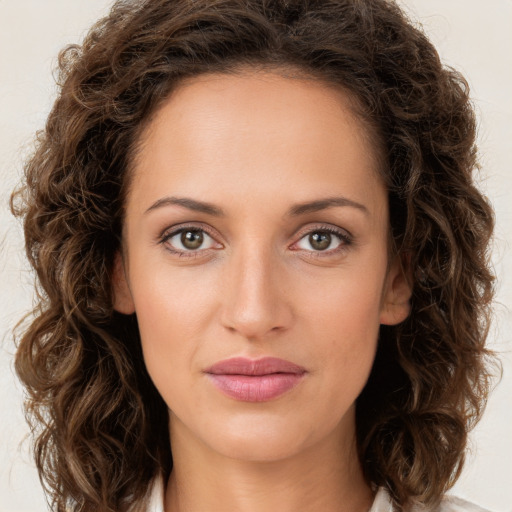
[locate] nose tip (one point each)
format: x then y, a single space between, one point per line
255 303
252 331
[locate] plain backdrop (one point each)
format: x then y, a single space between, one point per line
474 36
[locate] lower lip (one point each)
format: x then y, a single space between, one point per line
255 388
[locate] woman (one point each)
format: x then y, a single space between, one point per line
262 262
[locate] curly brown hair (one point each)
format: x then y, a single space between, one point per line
100 426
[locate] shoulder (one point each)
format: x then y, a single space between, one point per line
382 503
454 504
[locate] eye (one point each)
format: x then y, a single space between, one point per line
188 240
323 240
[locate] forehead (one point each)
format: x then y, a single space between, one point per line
241 132
269 96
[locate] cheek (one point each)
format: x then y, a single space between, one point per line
172 311
349 300
344 322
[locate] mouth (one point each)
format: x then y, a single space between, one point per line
254 367
255 380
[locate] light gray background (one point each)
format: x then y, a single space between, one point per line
475 36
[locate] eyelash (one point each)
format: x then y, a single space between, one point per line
190 253
344 237
345 241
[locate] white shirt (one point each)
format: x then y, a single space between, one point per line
381 503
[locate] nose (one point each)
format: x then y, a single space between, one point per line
256 300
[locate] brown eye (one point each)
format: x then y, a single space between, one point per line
320 240
192 239
324 240
189 240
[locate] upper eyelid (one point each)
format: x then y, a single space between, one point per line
178 228
302 231
336 230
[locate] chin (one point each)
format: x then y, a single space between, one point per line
260 441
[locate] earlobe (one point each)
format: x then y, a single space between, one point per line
122 297
397 292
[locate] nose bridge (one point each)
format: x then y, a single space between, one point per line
254 303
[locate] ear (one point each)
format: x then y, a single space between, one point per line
395 307
123 301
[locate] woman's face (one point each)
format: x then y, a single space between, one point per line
257 226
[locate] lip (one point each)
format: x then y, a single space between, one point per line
255 380
263 366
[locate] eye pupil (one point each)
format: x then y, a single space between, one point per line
320 240
192 239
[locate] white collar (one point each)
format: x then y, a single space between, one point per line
381 503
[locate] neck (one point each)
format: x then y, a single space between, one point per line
326 476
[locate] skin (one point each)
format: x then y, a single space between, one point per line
255 145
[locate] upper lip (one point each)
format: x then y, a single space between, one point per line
263 366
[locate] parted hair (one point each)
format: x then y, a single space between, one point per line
100 427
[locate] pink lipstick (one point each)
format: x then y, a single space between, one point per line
255 380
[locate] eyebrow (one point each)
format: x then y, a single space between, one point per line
323 204
190 204
294 211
